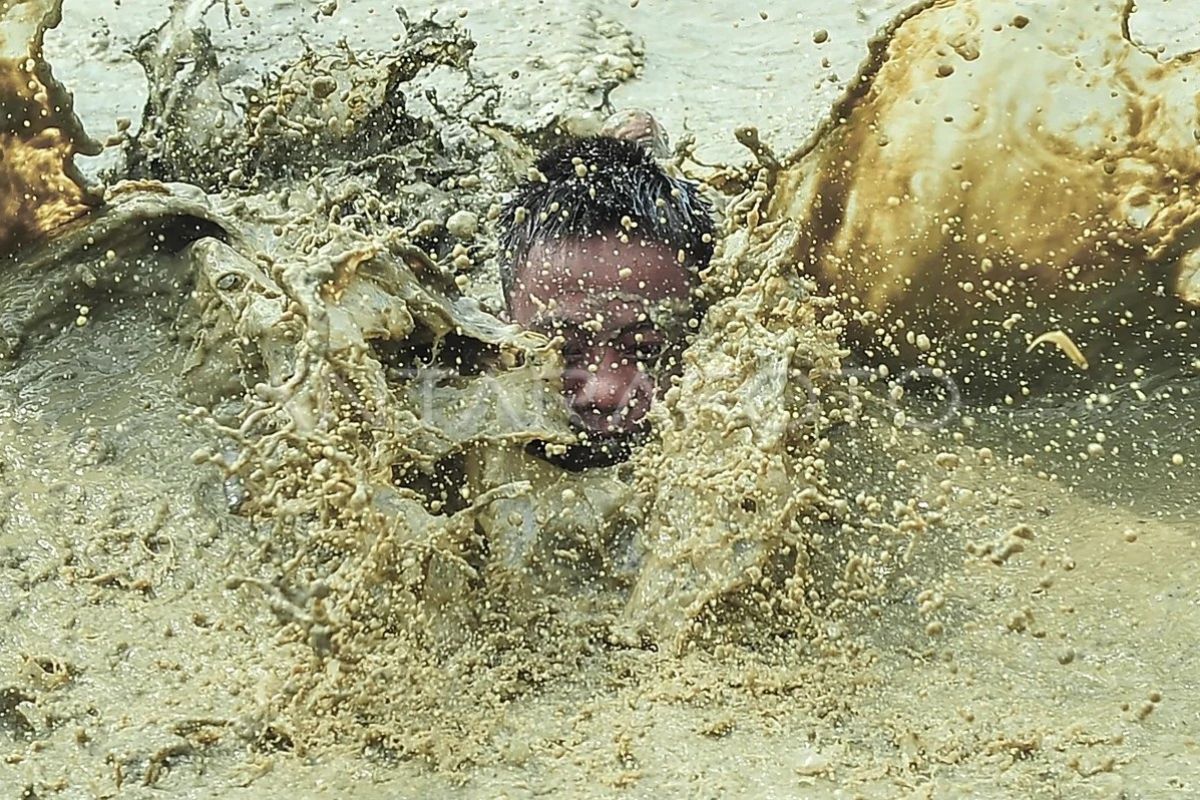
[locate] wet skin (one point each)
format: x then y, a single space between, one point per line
621 309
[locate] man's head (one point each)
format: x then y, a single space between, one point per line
604 253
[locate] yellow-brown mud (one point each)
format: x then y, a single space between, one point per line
997 171
40 187
269 527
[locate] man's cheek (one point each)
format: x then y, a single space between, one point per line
583 385
668 366
574 378
639 393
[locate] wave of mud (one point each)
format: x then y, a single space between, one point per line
999 171
440 598
40 187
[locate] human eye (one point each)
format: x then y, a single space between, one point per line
645 346
573 347
649 351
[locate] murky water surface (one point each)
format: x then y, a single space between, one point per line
920 520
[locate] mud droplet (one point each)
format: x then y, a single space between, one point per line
945 70
463 224
323 86
946 460
228 282
1022 532
821 36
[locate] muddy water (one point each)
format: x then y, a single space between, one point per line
288 590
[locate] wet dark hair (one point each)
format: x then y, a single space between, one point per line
622 180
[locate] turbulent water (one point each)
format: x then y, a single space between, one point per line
919 518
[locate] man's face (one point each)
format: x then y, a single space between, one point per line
621 308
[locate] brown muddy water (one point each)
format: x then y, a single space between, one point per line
919 520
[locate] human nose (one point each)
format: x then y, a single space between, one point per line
605 381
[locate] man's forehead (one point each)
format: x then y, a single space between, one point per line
570 257
631 263
596 311
621 281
